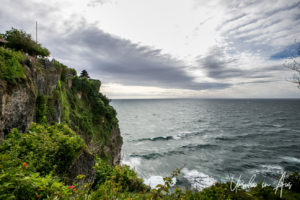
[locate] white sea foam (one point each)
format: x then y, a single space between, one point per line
132 162
291 159
179 136
153 181
183 135
272 168
198 179
176 137
266 169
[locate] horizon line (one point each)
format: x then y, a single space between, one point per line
211 98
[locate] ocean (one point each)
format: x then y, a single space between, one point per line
210 140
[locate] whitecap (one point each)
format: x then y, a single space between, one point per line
185 134
180 135
153 181
132 162
177 137
277 125
198 179
268 169
291 159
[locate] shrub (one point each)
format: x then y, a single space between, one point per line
103 172
123 176
72 72
19 40
294 179
63 70
118 182
46 148
23 184
11 68
29 162
40 108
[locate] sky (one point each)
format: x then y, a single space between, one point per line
169 48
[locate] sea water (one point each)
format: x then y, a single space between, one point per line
211 140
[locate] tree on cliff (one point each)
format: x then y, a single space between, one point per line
21 41
84 73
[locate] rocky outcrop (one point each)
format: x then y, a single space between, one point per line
113 149
46 80
18 100
83 165
17 105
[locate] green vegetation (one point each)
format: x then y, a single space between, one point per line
32 161
82 107
21 41
33 164
46 148
77 102
122 183
11 65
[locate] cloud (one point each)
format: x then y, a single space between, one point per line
220 65
260 26
121 61
246 31
110 58
94 3
24 14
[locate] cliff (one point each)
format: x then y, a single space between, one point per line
59 138
49 90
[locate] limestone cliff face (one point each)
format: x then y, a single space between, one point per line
16 108
113 149
82 165
52 81
17 101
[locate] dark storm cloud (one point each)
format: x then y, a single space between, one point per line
218 66
107 57
23 14
124 62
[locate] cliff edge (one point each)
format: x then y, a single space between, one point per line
48 90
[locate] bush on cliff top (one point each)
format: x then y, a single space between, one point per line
21 41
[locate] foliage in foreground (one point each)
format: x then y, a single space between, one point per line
33 164
112 189
32 161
